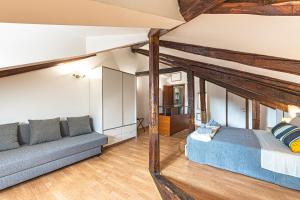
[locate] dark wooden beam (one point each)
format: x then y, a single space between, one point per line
162 71
192 8
280 85
248 95
247 112
255 114
287 8
203 101
255 86
254 60
168 190
10 71
154 149
191 99
226 107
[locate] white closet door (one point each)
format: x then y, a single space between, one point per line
129 99
112 99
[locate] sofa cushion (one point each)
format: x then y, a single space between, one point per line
64 128
26 157
79 125
24 134
44 130
9 136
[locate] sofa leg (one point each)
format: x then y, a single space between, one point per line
101 151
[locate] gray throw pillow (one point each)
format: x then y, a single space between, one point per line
79 125
44 130
9 136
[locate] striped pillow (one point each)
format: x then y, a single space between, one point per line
288 134
292 140
276 130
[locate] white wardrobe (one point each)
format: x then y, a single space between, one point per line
113 104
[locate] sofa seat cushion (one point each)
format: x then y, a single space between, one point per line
25 157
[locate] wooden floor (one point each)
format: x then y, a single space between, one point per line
121 173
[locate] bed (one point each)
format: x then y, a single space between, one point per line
249 152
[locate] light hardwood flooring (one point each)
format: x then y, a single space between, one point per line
121 173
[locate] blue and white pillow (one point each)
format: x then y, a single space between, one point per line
212 123
281 129
288 134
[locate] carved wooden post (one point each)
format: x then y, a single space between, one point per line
154 159
191 99
203 101
255 114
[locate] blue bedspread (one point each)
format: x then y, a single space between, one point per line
237 150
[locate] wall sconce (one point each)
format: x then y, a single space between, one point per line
78 76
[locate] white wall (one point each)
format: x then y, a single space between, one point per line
197 101
54 92
236 111
42 94
216 103
143 98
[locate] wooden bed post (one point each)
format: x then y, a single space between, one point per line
203 101
255 114
154 159
247 112
191 99
226 101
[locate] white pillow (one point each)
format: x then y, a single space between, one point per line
295 121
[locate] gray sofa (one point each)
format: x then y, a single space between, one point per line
30 161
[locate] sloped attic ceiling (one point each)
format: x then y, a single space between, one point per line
36 31
30 43
273 36
80 12
164 8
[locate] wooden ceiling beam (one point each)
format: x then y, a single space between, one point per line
268 91
162 71
247 94
20 69
254 86
278 84
260 2
264 101
250 59
266 7
192 8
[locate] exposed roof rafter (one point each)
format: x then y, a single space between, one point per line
255 86
20 69
250 59
192 8
259 7
162 71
